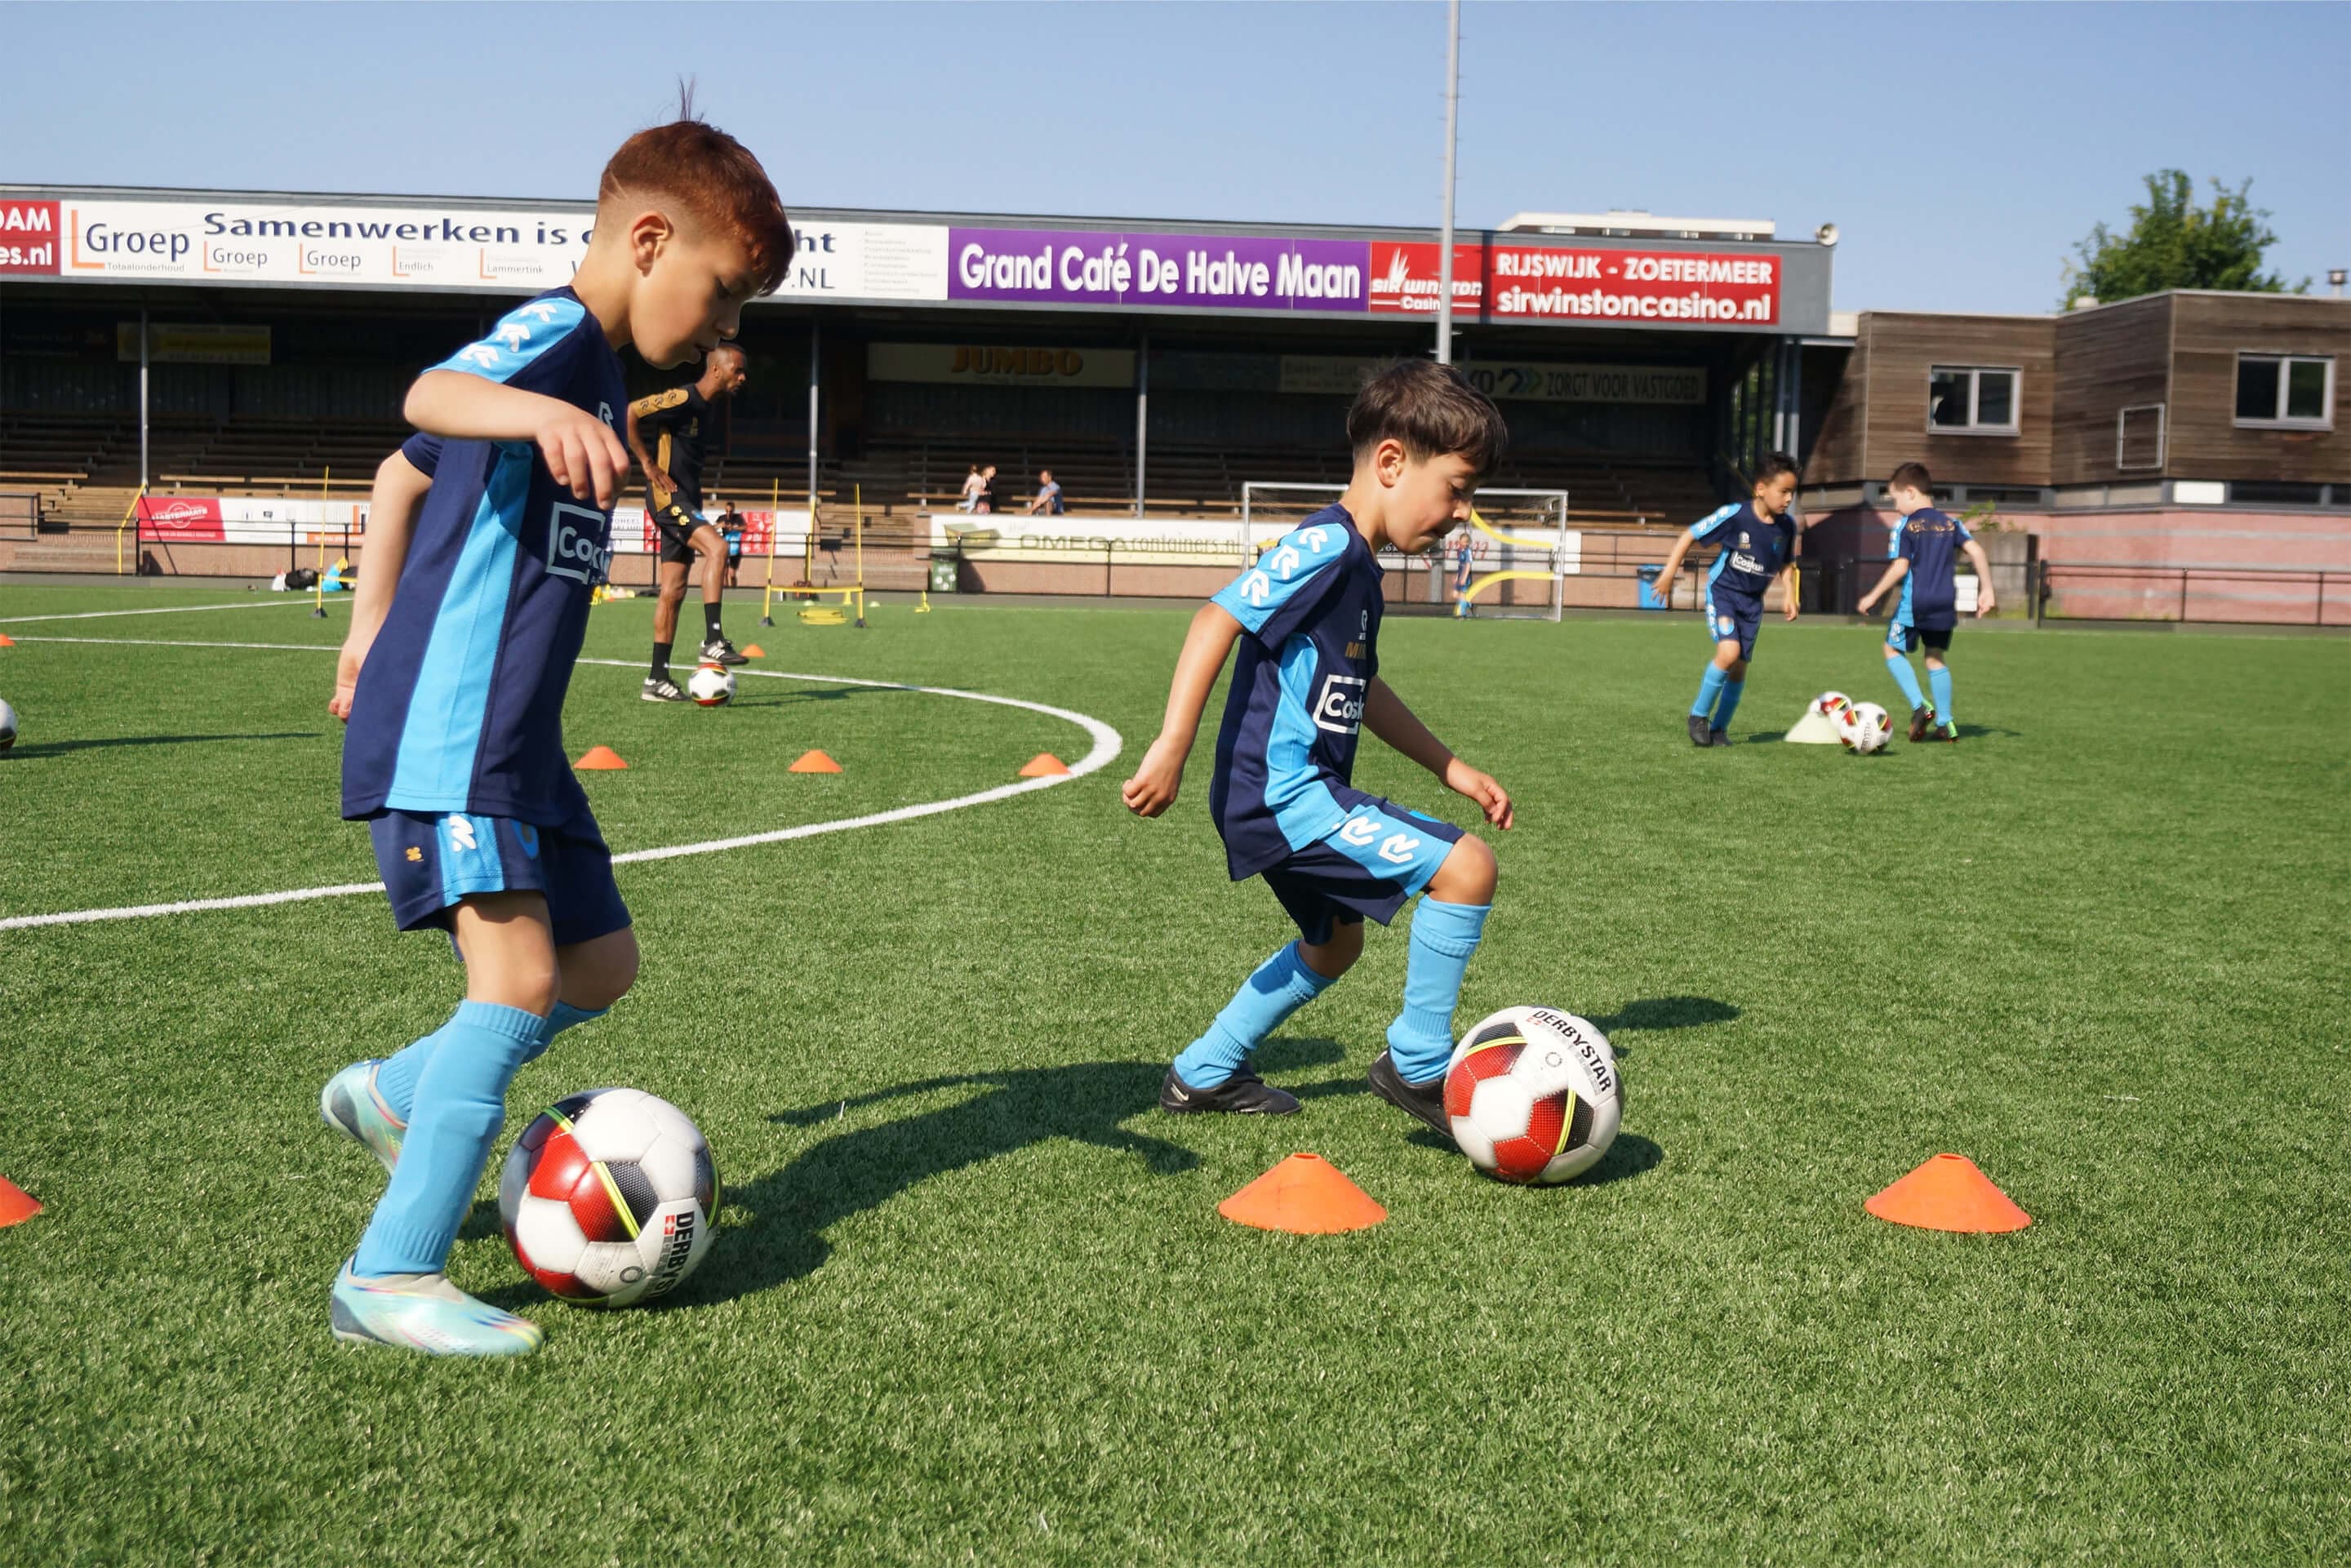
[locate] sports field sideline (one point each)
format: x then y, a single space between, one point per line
970 1297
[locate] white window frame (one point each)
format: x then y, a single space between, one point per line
2284 360
2162 432
1975 374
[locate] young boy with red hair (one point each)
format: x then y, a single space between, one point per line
454 755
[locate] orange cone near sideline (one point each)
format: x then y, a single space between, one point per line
753 651
1949 1193
6 640
16 1204
815 762
599 757
1044 765
1304 1194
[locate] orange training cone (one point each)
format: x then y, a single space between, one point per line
16 1204
753 651
599 757
1948 1193
6 640
1044 765
815 762
1304 1194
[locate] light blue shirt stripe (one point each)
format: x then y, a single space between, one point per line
1288 566
521 336
441 735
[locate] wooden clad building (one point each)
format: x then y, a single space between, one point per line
2189 396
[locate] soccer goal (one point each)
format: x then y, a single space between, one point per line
1521 551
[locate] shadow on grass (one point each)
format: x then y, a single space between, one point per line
59 748
1629 1155
854 1171
1655 1013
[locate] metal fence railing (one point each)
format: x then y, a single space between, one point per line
2105 590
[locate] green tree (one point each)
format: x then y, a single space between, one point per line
2173 244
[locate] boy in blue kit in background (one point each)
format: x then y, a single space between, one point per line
1758 542
454 756
1926 545
1308 619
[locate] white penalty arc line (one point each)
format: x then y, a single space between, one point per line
1105 748
158 609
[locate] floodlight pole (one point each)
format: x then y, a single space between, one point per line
1445 238
142 398
813 333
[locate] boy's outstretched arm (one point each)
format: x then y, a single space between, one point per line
1895 571
1386 716
1789 591
1982 563
400 489
1161 773
582 451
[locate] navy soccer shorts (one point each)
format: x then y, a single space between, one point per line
676 524
1904 638
1379 857
431 862
1730 615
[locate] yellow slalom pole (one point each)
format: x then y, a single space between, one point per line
857 502
774 527
128 512
319 571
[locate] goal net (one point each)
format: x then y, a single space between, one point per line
1520 550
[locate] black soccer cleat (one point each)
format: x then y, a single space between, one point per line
719 651
661 689
1719 737
1425 1101
1242 1095
1947 733
1922 719
1701 733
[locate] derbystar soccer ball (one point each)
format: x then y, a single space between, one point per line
1831 705
7 726
609 1196
1863 728
1534 1095
712 685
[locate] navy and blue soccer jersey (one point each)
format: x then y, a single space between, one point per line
423 452
1929 540
1286 752
460 703
1753 550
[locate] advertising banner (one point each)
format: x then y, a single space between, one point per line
193 343
1341 374
1519 283
995 365
1172 542
28 238
1229 272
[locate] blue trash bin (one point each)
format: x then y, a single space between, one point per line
1650 597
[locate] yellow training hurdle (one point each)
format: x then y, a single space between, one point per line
851 595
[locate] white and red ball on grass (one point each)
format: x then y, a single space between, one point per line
1534 1095
7 725
711 686
609 1198
1865 728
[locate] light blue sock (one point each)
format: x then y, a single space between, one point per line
1282 984
395 1081
564 1016
461 1102
1708 688
1907 679
1731 692
1941 681
1420 1041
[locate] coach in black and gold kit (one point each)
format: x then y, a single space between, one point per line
678 420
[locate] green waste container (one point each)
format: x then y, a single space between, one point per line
943 574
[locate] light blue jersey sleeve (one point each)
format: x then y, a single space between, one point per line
1897 543
1272 597
1706 527
520 349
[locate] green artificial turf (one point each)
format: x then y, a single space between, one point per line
970 1298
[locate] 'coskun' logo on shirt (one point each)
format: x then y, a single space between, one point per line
572 548
1339 706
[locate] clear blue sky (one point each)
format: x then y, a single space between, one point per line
1961 149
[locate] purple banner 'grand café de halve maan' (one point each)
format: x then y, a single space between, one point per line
1077 266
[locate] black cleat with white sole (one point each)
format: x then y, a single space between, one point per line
1425 1101
1242 1095
661 689
719 651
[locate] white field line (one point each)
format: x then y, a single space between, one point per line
1105 748
164 609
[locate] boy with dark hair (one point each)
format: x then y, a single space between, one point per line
1925 543
1307 617
1759 541
454 757
680 420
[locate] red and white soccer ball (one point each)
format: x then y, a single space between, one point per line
607 1198
1864 727
1832 706
712 685
1534 1096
